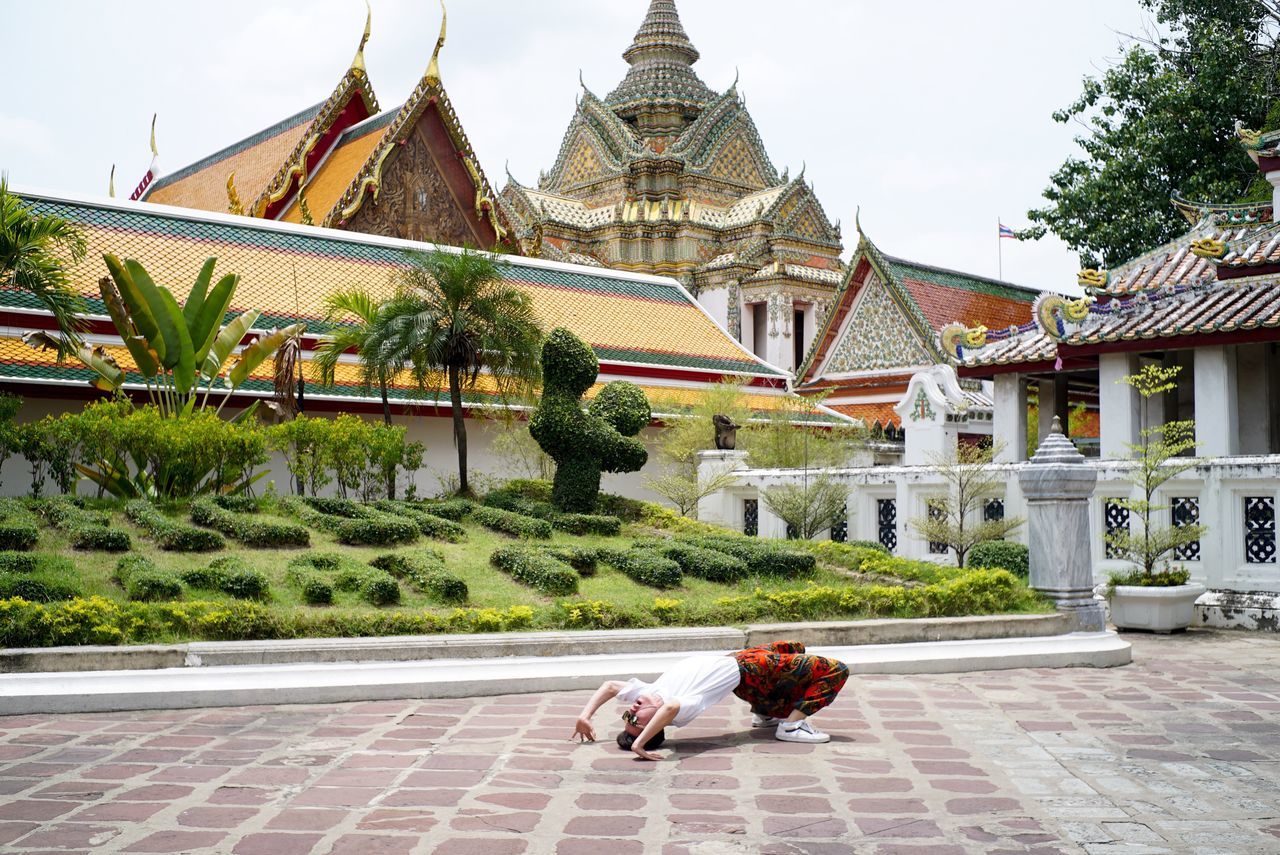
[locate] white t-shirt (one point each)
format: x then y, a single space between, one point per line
695 683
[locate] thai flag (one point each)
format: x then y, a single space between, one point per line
1006 232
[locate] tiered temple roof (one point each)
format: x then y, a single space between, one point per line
408 172
643 328
884 326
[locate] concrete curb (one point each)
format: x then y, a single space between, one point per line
491 645
337 682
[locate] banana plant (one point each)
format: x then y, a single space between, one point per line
181 352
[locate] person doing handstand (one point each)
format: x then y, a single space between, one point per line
783 684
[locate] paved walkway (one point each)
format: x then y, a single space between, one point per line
1179 752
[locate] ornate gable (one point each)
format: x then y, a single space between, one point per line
878 335
583 163
725 144
798 212
737 161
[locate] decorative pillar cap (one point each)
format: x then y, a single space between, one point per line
1056 448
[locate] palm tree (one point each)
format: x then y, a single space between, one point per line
34 254
354 336
454 313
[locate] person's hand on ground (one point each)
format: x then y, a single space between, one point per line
583 731
645 755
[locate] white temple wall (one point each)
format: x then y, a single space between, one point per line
716 302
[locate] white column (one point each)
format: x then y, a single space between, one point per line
1255 407
1010 418
719 507
1274 178
1118 404
1217 413
1048 395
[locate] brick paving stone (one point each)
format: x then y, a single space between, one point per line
177 841
590 846
73 835
37 810
116 811
388 819
481 846
373 844
276 843
605 825
215 817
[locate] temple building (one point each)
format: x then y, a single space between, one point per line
408 172
666 176
884 328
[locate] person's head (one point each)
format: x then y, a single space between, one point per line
634 720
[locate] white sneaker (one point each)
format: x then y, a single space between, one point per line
758 720
799 731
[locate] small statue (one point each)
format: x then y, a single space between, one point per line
726 433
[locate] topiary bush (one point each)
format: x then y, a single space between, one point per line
87 530
703 563
450 509
171 535
247 528
437 528
18 529
580 558
762 557
18 562
231 575
517 525
427 573
377 587
578 524
311 574
536 568
583 444
144 582
38 578
239 503
644 566
1000 554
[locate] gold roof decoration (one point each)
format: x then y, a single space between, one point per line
1249 139
111 182
1092 277
234 205
357 62
432 76
1208 247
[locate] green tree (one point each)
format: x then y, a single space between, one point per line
814 505
684 436
956 518
34 253
1159 454
355 313
788 438
454 313
1159 122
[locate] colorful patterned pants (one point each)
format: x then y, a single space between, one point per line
780 677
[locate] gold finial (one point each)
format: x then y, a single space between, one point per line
433 69
357 63
1208 248
154 151
234 205
1092 277
304 211
111 182
1248 138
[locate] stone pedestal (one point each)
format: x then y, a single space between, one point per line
1057 486
718 508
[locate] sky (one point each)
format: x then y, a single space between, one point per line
931 118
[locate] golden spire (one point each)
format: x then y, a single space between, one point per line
433 69
234 205
111 182
154 152
357 63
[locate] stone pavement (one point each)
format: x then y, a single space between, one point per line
1179 752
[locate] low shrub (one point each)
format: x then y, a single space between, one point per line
310 574
529 488
868 544
709 564
580 558
536 568
427 573
1001 554
335 506
18 562
231 575
429 524
237 503
376 587
144 582
171 535
599 614
523 503
90 531
491 620
627 510
248 528
643 566
513 524
580 524
19 531
450 509
762 557
377 529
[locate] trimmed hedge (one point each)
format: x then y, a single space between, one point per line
536 568
376 587
247 528
427 573
335 506
239 504
90 531
231 575
352 523
171 535
580 558
450 509
144 582
310 574
1001 554
709 564
18 562
513 524
643 566
578 524
868 544
428 523
18 529
762 557
38 578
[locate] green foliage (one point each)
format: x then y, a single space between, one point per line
536 568
1168 578
517 525
37 253
248 528
454 313
303 442
351 522
311 574
376 587
1158 122
361 458
709 564
957 519
762 557
814 505
231 575
429 524
450 509
18 562
238 503
171 535
51 447
426 572
1002 554
44 585
787 438
580 558
683 437
354 314
144 582
583 444
1159 454
578 524
18 529
10 405
868 544
643 566
87 530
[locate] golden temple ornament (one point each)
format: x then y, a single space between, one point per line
1208 248
1092 277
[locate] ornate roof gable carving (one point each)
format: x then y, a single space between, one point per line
612 142
724 139
877 335
798 212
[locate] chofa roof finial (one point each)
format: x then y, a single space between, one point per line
357 62
111 182
433 70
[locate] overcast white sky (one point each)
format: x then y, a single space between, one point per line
932 116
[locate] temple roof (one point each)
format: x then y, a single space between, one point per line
642 327
661 74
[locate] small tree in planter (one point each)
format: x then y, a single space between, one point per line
1158 457
956 519
809 507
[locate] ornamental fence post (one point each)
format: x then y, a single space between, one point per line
1057 486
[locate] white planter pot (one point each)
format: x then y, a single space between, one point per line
1154 609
